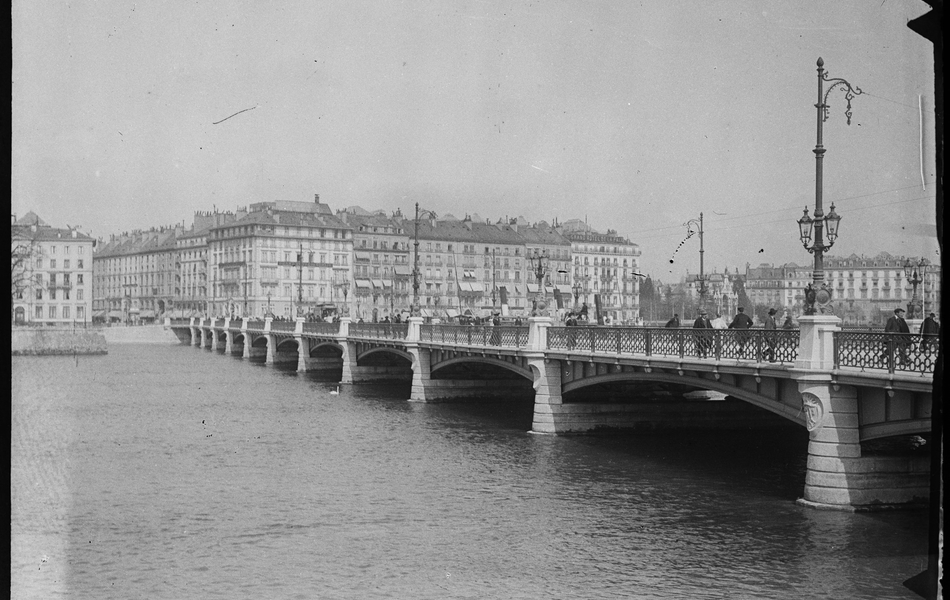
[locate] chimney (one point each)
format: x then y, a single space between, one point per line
316 198
74 233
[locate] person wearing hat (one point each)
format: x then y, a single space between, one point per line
741 321
703 338
897 324
929 327
770 337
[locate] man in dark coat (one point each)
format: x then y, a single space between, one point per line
703 338
770 328
897 324
674 322
741 321
927 328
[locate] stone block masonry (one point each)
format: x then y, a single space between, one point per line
34 341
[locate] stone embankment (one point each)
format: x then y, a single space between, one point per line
140 334
44 341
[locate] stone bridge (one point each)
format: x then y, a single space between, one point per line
845 388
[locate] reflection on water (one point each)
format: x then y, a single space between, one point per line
174 472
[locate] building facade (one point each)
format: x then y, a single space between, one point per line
605 265
52 273
283 258
382 275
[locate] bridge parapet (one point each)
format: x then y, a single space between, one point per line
379 331
755 344
323 328
893 352
476 335
255 325
285 326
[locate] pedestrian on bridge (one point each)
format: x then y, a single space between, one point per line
897 324
674 322
741 322
770 336
703 338
929 327
719 322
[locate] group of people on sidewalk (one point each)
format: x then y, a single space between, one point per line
741 322
897 324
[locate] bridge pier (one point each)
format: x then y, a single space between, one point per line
195 336
204 338
349 360
228 341
837 476
549 410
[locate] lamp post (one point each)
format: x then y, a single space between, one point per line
576 288
817 294
415 263
915 274
268 314
539 266
702 279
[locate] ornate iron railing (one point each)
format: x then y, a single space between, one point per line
219 323
903 352
287 326
255 325
324 327
379 331
235 324
180 321
751 344
507 336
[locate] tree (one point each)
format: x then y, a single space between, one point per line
738 286
24 249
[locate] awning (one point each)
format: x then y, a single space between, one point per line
465 286
133 310
425 312
116 314
147 314
566 289
477 287
377 283
532 288
401 270
99 314
451 312
362 256
363 283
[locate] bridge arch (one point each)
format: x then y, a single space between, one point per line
286 345
387 350
526 373
791 413
322 347
259 341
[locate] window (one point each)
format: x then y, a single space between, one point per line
66 309
78 296
81 310
39 263
52 312
39 295
39 312
52 263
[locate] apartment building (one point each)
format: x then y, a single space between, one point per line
52 273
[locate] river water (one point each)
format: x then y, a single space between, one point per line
175 472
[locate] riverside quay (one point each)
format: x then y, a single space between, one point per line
844 387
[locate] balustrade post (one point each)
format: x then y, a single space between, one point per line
816 342
619 345
538 333
681 342
415 329
717 343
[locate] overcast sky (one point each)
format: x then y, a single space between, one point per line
635 115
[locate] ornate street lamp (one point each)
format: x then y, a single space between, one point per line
702 279
817 294
577 292
268 314
415 263
539 266
915 274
